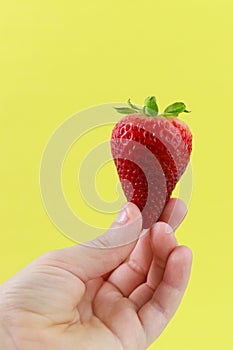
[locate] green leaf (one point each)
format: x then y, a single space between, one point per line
132 105
170 114
150 112
150 103
125 110
144 110
186 111
175 108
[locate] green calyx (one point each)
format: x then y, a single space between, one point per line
151 109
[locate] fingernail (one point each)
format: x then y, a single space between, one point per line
122 217
169 230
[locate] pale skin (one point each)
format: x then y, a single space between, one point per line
88 298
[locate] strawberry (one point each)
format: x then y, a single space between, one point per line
151 152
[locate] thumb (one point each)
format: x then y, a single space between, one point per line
125 229
96 258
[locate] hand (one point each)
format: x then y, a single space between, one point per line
93 298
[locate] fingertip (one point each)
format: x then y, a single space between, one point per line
133 212
124 230
128 214
179 202
187 253
162 238
179 266
181 209
178 205
169 229
161 228
174 212
134 217
181 256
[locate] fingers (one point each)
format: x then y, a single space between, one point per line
120 316
174 212
133 272
105 253
162 244
158 311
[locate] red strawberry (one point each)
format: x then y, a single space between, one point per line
151 152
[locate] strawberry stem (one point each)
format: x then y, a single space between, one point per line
151 109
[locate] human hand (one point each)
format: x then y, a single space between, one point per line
87 297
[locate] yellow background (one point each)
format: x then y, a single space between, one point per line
57 57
